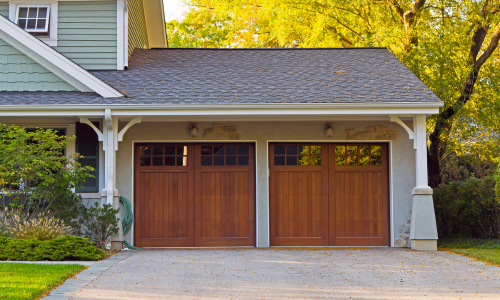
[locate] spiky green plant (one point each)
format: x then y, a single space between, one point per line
42 228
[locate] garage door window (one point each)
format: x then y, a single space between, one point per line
224 155
158 156
353 155
297 155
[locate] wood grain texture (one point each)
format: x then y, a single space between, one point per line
329 204
298 198
194 205
225 204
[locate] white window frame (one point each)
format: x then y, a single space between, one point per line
47 18
51 39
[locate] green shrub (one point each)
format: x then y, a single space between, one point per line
62 248
35 175
100 223
468 209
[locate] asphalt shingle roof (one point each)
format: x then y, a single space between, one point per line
225 76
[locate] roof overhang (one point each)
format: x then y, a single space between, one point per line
155 23
55 62
226 110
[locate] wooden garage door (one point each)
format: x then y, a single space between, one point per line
329 195
194 195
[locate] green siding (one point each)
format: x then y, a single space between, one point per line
4 9
19 73
137 31
87 33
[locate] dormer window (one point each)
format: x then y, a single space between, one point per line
34 19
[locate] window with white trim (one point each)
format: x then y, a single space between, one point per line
35 19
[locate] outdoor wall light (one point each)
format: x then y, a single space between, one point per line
329 130
193 130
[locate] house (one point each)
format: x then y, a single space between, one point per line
224 147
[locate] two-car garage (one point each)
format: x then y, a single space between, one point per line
203 195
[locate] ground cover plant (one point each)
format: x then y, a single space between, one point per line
29 281
62 248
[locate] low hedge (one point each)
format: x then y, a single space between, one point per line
62 248
468 209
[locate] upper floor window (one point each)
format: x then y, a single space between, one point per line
34 19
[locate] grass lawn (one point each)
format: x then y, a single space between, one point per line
491 256
30 281
483 250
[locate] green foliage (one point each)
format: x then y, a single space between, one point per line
42 228
462 168
468 209
198 30
62 248
101 223
467 243
34 173
434 40
497 185
21 281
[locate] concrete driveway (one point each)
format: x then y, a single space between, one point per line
380 273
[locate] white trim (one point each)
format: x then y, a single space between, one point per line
125 36
421 153
37 6
100 136
391 194
51 40
385 108
231 111
53 60
124 129
411 133
120 34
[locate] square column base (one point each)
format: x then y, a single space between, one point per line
116 246
424 245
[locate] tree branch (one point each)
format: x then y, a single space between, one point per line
491 48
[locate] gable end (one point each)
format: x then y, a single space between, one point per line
18 72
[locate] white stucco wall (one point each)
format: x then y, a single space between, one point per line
401 155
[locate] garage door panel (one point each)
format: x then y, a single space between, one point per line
225 207
184 197
299 195
342 200
359 202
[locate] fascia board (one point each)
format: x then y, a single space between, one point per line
155 23
226 110
268 106
54 61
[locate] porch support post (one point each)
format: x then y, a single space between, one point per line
423 230
110 193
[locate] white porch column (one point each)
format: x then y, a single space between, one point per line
111 195
423 231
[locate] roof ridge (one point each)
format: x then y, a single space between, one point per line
270 49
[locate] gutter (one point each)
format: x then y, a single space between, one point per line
267 106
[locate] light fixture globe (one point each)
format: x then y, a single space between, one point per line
329 130
193 130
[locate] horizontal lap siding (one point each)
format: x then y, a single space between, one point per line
18 72
87 33
4 9
137 32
